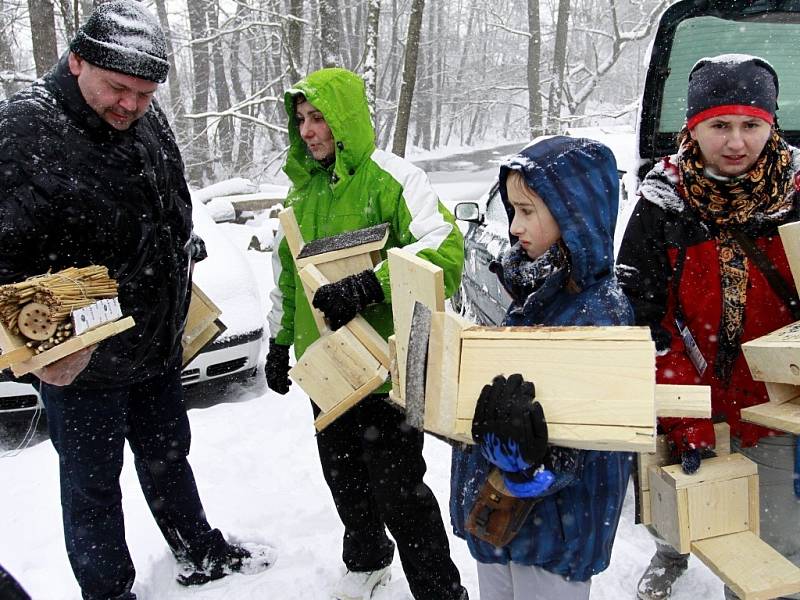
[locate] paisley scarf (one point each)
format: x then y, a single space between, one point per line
764 194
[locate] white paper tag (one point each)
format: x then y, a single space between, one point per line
101 312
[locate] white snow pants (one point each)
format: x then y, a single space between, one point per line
522 582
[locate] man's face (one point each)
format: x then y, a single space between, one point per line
314 131
117 98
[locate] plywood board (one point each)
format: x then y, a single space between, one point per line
683 401
718 508
783 417
412 280
790 238
578 381
749 566
775 357
73 345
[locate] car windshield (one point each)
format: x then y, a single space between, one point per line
771 37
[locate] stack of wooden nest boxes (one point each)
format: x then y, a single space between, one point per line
596 385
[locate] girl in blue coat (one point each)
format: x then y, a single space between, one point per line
563 195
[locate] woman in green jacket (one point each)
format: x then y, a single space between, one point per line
371 459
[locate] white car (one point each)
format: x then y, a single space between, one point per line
227 279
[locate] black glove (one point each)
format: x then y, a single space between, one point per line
509 426
342 300
690 459
277 367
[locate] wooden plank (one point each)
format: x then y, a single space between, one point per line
313 279
72 345
412 280
720 468
754 506
444 361
353 361
659 458
339 269
343 253
718 508
319 377
395 392
683 401
782 392
578 382
784 417
16 355
371 339
722 433
291 231
748 565
617 333
326 418
790 239
584 437
775 357
202 324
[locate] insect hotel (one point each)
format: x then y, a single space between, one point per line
48 317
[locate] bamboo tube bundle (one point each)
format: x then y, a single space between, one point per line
39 307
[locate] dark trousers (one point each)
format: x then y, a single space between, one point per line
10 589
372 462
88 429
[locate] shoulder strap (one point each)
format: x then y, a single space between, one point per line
776 281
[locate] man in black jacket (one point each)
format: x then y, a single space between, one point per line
90 173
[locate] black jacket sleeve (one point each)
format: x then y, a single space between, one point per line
644 269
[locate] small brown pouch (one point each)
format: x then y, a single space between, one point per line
497 516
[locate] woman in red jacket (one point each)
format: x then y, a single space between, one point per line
703 265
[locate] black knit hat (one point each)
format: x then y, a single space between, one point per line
728 84
123 36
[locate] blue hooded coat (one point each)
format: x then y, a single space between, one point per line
570 530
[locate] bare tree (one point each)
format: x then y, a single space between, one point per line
224 131
294 38
559 66
198 156
175 97
370 68
43 34
329 28
534 52
409 77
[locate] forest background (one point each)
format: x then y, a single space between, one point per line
439 73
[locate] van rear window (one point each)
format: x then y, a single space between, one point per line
775 40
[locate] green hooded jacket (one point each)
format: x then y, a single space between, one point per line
364 187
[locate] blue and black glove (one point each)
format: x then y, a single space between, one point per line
277 367
342 300
511 431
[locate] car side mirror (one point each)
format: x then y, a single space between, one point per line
468 211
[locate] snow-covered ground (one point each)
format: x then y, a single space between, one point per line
255 461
